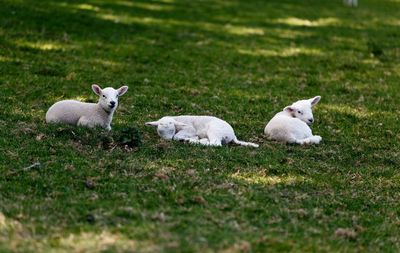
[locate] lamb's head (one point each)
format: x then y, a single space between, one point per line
108 97
302 109
166 127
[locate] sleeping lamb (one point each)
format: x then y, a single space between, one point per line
87 114
205 130
292 124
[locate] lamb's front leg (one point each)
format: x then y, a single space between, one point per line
214 137
83 121
186 135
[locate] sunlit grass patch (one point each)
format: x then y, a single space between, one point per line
6 59
241 30
289 33
286 52
293 21
128 19
146 6
87 7
103 241
358 112
67 188
44 45
229 28
270 180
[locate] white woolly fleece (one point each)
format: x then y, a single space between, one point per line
205 130
87 114
291 125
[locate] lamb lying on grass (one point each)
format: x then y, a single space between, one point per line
205 130
87 114
291 125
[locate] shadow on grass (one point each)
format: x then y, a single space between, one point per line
136 27
219 57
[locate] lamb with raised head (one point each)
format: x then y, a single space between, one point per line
205 130
87 114
292 124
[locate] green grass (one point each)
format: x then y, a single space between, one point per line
239 60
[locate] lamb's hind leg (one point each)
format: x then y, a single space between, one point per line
207 142
203 141
215 139
315 139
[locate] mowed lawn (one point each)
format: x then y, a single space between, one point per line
242 61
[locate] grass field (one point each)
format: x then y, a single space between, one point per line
242 61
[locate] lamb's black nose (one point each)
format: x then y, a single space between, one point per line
112 103
311 120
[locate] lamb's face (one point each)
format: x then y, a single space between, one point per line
108 97
166 127
302 109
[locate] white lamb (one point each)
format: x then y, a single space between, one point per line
292 124
87 114
352 3
205 130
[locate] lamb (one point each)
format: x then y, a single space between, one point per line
292 124
205 130
87 114
352 3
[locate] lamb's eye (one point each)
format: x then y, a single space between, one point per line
300 112
104 96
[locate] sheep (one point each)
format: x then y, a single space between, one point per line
292 124
87 114
352 3
204 130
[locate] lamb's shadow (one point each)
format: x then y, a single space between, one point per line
277 183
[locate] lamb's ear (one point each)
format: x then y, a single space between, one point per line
122 90
96 89
152 123
290 109
315 100
177 123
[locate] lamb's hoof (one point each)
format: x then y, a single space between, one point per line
268 136
204 141
316 139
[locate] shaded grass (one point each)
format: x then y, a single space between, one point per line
241 61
